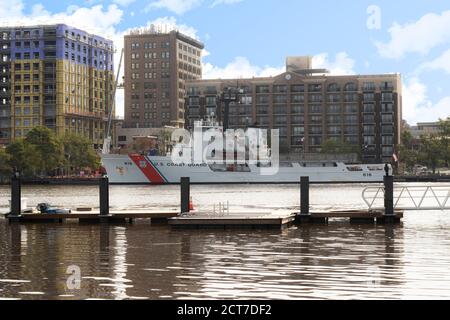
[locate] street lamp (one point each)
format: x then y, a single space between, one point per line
228 95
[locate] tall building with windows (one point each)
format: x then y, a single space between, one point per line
308 107
55 76
157 65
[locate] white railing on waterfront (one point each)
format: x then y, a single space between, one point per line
431 197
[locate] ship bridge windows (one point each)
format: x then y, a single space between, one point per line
318 164
234 167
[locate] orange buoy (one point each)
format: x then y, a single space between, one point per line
191 204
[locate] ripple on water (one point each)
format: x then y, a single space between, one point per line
337 261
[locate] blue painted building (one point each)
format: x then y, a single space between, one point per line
56 76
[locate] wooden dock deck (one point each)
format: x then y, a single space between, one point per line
94 216
263 219
236 220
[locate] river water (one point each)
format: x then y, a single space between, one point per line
141 261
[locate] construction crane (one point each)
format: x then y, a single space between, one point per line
107 140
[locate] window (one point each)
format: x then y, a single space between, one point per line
315 109
369 129
334 130
351 119
262 99
298 88
315 130
369 118
369 108
297 98
369 140
387 107
334 119
368 86
298 131
351 108
333 87
387 97
334 108
369 97
279 99
389 140
210 101
387 118
315 98
262 89
314 87
388 129
280 89
351 86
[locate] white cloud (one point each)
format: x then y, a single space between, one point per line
170 23
421 36
182 6
342 64
219 2
416 105
124 3
94 19
11 7
440 63
240 67
177 6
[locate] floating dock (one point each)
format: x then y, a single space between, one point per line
94 216
235 220
354 216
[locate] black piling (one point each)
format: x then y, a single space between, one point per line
304 195
16 195
185 194
389 213
104 196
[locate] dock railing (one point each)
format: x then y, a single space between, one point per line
417 197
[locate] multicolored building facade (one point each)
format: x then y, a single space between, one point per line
55 76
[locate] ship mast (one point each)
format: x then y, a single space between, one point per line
107 140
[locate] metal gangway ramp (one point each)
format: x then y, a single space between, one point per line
414 197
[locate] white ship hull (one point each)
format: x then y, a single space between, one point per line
137 169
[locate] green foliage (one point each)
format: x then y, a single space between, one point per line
48 146
5 168
25 157
79 153
431 153
41 153
331 146
408 156
433 150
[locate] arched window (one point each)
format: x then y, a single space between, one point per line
333 87
351 86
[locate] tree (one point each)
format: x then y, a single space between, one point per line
444 135
408 156
48 146
79 152
24 157
431 153
5 168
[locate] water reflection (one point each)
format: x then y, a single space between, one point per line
142 261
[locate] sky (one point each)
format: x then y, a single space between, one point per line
245 38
